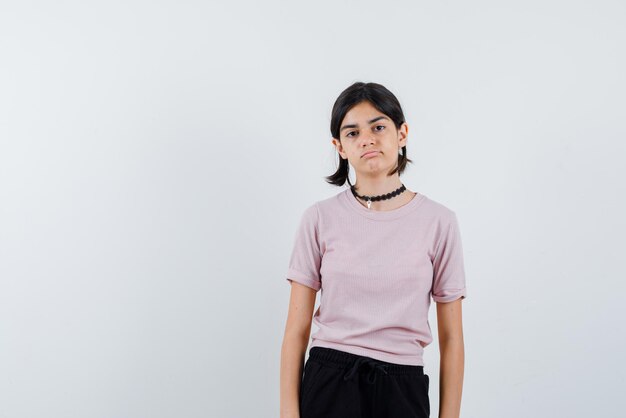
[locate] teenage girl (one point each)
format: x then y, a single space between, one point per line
378 252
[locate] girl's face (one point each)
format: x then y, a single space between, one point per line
370 140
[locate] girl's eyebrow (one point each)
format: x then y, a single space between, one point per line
370 121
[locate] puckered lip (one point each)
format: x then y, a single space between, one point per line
368 151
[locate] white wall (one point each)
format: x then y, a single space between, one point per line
155 158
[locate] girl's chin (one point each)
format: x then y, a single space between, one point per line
376 166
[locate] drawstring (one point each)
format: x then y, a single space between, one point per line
371 376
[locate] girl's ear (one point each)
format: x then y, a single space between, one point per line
403 132
338 147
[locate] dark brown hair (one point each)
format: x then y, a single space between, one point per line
384 101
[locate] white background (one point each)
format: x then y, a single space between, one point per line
155 158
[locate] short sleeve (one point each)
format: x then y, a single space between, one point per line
448 265
305 261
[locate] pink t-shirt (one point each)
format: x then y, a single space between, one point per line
377 271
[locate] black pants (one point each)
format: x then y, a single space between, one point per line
345 385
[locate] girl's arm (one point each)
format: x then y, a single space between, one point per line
452 358
295 343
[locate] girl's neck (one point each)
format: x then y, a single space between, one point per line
377 187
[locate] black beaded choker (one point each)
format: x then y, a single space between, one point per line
386 196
